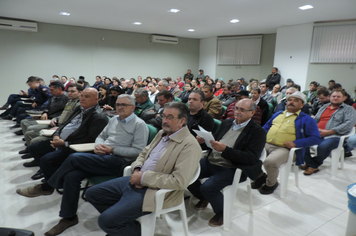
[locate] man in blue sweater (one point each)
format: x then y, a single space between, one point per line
285 130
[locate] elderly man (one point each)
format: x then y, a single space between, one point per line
282 106
152 91
273 78
119 143
154 116
174 89
285 130
212 105
169 162
226 97
163 84
240 144
334 120
142 101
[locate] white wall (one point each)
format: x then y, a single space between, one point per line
75 51
207 56
292 53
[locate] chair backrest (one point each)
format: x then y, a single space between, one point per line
177 99
223 110
263 155
216 125
270 110
152 132
196 175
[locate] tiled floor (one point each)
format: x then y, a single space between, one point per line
317 207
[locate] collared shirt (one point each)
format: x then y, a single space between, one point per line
236 126
157 152
325 117
258 100
127 119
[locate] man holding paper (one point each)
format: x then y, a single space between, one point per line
240 143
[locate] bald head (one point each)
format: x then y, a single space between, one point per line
89 98
244 110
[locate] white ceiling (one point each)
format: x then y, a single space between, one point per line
208 17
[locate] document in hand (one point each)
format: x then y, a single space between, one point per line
206 135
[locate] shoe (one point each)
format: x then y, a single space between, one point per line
26 156
259 182
34 191
348 154
23 139
268 190
61 226
31 164
39 175
216 221
15 126
201 205
23 151
19 132
304 167
310 171
5 106
6 117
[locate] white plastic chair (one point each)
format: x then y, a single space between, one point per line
338 154
229 193
148 222
284 171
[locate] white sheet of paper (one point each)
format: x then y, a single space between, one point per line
207 136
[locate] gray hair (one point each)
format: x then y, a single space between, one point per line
141 92
132 99
165 83
293 89
182 108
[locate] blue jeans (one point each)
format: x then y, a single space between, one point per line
120 204
210 190
351 143
323 151
74 169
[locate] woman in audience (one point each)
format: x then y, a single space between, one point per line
108 82
144 83
202 84
72 80
185 95
116 81
218 88
210 82
276 94
254 84
133 81
83 83
104 95
195 85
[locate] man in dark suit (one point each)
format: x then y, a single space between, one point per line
240 145
273 78
259 101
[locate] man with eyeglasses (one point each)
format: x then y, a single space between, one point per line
118 144
286 130
240 144
169 162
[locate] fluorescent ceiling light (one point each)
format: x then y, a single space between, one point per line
306 7
173 10
137 23
191 30
62 13
234 21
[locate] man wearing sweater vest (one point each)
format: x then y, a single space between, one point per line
285 130
119 143
240 144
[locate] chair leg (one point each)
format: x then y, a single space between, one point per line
148 224
335 157
351 226
342 159
228 206
296 175
284 173
248 181
183 216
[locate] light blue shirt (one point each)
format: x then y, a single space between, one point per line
127 119
239 126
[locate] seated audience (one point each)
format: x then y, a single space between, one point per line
98 82
185 95
273 78
129 87
259 101
313 86
226 97
286 130
248 87
290 82
174 89
109 108
65 82
282 106
13 98
108 82
218 90
331 84
322 99
347 99
72 80
119 143
104 96
163 84
212 105
276 93
152 91
254 84
188 76
169 162
195 85
201 75
210 82
240 144
142 101
180 83
334 120
264 87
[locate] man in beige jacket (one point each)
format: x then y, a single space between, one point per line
169 162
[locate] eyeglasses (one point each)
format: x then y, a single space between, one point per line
241 110
170 118
123 105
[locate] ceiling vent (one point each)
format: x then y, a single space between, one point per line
164 39
18 25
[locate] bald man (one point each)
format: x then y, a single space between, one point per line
83 126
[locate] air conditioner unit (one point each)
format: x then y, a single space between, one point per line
18 25
164 39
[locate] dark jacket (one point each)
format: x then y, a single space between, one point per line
264 109
184 96
148 105
202 118
41 95
94 121
282 107
248 147
272 80
55 106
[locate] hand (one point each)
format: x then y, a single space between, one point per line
289 144
57 143
218 146
102 149
135 178
21 92
107 107
44 116
24 93
200 140
53 122
324 132
34 105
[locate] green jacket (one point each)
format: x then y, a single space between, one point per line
143 106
